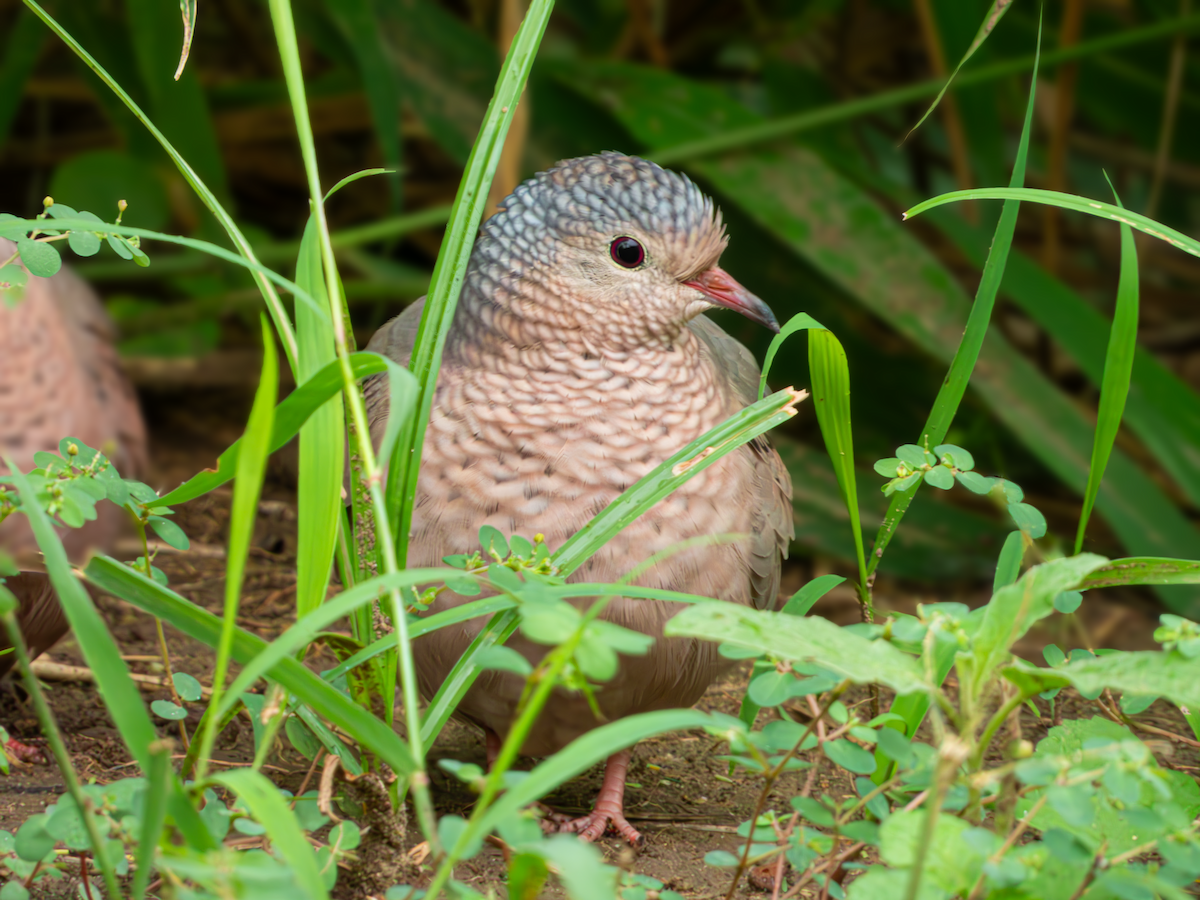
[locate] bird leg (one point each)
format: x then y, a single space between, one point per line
610 805
492 745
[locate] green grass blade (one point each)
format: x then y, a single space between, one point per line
701 453
1008 567
272 812
153 815
322 449
201 625
251 467
452 616
1143 570
464 673
950 395
994 14
1162 410
21 52
279 319
290 415
452 261
1072 202
831 395
1118 372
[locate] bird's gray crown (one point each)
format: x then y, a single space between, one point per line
610 193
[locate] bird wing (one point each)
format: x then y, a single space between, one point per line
771 486
395 340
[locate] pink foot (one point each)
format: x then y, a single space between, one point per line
609 811
25 753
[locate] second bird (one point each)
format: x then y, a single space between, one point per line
578 360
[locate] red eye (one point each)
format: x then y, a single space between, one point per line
627 252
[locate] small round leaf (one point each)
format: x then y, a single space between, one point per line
84 243
187 687
39 258
167 710
171 533
940 477
850 756
959 458
1068 601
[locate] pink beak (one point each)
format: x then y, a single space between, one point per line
720 287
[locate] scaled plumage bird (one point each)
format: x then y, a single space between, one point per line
579 360
59 377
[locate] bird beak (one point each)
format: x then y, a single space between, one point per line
720 287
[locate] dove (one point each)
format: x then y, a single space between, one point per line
59 377
578 360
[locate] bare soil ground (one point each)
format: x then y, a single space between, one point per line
680 795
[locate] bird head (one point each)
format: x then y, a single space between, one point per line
615 245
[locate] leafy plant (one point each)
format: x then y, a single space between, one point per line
943 813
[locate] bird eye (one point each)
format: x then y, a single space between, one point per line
627 252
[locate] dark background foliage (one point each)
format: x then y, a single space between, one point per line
813 209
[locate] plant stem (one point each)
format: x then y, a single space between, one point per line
769 784
285 35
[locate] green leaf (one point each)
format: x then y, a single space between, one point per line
167 710
1118 372
1014 609
940 477
1029 519
83 243
850 756
831 397
803 600
1148 672
1067 602
33 842
1142 570
951 862
504 659
811 639
171 533
1071 202
721 859
120 246
322 438
152 815
187 687
957 456
269 808
976 483
1009 565
39 257
994 14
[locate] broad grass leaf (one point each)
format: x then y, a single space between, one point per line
811 639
